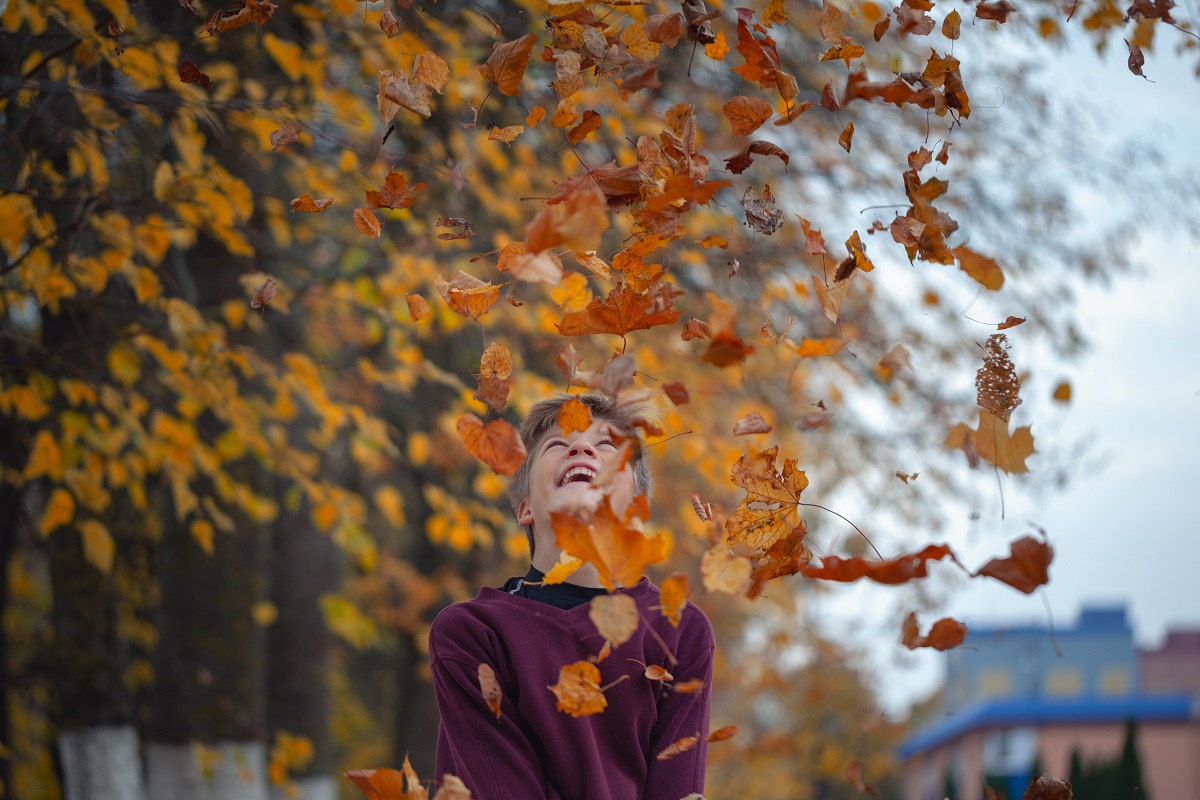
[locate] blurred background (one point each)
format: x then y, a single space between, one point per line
225 529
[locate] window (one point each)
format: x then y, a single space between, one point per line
1066 682
1114 680
995 683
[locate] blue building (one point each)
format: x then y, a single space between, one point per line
1016 695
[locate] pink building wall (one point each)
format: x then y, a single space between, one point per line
1169 754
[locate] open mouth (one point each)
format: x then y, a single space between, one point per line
579 474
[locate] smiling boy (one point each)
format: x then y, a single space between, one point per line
527 630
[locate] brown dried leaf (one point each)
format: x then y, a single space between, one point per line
507 64
761 213
306 203
678 747
496 444
264 293
751 423
490 688
284 136
366 223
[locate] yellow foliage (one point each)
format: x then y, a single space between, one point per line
45 458
60 510
202 532
98 546
391 504
347 622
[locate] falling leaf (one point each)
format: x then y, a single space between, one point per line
846 137
465 229
536 115
1026 567
615 617
721 734
306 203
812 348
997 10
678 747
590 123
1062 392
496 362
656 673
1043 787
190 73
1011 322
616 546
397 91
676 392
366 223
574 415
493 392
507 64
379 784
507 134
769 510
786 557
944 635
853 773
813 420
985 271
490 688
496 444
395 192
431 70
388 23
723 571
418 307
248 11
578 689
675 591
452 788
623 310
284 136
761 213
747 114
741 161
896 571
468 296
264 293
951 25
897 358
751 423
690 686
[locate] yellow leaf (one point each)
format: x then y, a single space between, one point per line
45 459
98 547
347 622
60 510
718 49
124 364
264 613
565 567
992 442
724 572
578 689
615 617
572 294
1062 392
391 504
638 44
202 532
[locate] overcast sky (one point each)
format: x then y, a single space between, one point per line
1126 529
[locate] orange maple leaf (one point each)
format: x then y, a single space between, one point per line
623 310
496 444
615 546
468 296
507 64
395 193
1026 567
770 510
991 441
578 689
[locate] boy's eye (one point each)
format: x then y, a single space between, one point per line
605 442
555 443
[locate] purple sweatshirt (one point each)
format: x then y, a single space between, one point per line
534 751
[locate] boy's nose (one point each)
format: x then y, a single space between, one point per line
581 446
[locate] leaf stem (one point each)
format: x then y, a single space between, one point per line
851 524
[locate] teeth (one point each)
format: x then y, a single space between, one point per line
573 471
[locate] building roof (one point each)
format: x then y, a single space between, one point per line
1050 711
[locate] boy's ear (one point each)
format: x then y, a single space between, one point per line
524 513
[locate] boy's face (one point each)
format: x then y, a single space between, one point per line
560 479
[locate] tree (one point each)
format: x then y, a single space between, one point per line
197 346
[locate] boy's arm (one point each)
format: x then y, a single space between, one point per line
494 758
681 715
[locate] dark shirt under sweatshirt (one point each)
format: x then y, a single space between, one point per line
526 633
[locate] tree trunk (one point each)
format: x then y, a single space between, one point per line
101 763
207 730
222 771
304 566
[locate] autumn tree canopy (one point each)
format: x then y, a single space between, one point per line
267 266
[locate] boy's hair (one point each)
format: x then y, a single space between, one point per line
544 415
